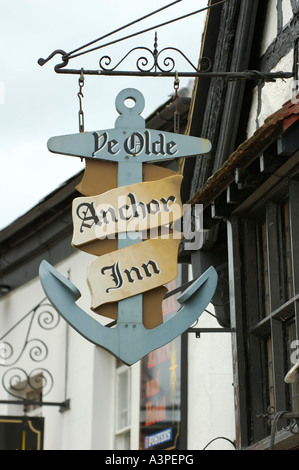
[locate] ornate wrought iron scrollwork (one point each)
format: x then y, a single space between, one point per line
6 352
16 380
152 63
169 63
157 70
47 316
17 357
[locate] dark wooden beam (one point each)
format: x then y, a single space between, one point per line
251 268
239 343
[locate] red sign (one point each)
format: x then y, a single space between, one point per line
160 398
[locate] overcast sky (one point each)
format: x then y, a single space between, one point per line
36 103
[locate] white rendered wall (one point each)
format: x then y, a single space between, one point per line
82 372
211 412
271 27
210 391
272 95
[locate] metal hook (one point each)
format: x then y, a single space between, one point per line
42 61
176 81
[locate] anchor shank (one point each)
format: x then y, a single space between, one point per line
130 309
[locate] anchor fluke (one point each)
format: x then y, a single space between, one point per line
129 342
46 271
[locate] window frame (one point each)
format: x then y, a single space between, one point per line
121 432
251 327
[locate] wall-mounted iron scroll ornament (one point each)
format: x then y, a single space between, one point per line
126 199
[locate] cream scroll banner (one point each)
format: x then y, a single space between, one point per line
131 208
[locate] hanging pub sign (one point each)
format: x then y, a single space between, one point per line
126 217
21 433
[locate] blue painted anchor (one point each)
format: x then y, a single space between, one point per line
127 341
130 145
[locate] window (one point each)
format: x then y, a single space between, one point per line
287 251
123 409
275 231
264 256
273 250
264 273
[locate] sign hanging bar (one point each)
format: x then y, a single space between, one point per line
105 61
64 406
155 63
155 66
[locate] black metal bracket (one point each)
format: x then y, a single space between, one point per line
151 66
19 359
199 331
154 63
63 406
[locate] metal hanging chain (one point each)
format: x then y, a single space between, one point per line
80 96
176 123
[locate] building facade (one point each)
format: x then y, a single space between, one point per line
248 187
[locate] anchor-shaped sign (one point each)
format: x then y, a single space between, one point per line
125 198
